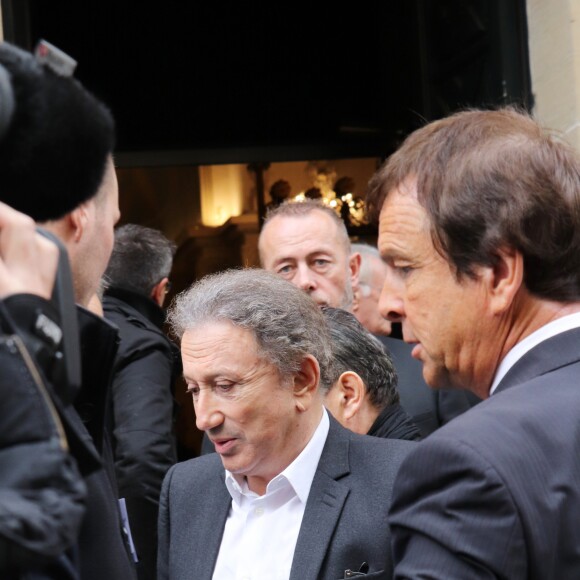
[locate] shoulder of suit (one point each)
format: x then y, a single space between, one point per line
202 471
376 453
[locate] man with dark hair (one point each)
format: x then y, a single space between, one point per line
143 440
42 494
429 409
56 166
289 493
362 394
479 225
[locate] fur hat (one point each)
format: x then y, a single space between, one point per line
53 154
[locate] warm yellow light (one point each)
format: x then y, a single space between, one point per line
221 193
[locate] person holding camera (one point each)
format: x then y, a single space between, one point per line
56 167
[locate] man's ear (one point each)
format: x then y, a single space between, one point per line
504 279
306 382
158 293
354 266
78 219
352 392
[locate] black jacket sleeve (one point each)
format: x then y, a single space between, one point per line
41 491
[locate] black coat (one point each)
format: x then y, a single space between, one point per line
41 490
394 423
143 439
99 550
103 548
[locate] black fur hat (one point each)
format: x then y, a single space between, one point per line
53 154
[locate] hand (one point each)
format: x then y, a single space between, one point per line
28 261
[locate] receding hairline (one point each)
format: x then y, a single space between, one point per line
342 234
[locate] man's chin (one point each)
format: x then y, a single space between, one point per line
435 376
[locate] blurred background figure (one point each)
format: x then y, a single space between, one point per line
279 193
363 393
146 366
313 193
371 278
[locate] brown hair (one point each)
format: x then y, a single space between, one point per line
489 179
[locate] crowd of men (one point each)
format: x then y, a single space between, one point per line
333 450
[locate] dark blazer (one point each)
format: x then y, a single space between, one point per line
496 493
344 524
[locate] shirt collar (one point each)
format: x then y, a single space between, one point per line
299 474
549 330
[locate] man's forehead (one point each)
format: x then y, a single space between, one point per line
401 217
283 234
210 340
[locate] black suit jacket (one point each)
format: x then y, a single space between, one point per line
344 524
496 493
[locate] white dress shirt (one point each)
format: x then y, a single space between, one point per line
549 330
261 531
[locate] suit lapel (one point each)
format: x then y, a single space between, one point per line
555 352
324 505
206 532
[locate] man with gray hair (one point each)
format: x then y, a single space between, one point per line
143 439
362 394
289 493
368 290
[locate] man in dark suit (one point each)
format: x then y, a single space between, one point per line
479 225
289 493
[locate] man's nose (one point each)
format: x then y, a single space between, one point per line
207 412
305 278
391 304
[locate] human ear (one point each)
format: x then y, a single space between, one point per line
305 386
504 279
158 293
354 267
78 220
352 392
